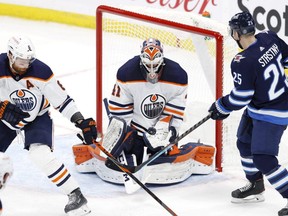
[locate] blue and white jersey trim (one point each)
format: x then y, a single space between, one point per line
238 102
221 109
247 93
272 116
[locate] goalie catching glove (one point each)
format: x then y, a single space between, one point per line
160 135
11 113
89 131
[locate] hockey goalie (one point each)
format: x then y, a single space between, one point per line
146 110
173 166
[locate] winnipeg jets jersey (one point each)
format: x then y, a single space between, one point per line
142 103
34 91
260 81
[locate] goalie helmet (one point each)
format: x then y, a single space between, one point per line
6 169
243 23
21 53
152 59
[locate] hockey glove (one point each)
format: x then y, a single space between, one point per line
11 113
218 112
160 135
89 131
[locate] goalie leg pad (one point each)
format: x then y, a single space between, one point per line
131 145
196 151
115 135
84 160
204 154
81 153
180 164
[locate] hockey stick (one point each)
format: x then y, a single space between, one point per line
110 156
160 152
130 185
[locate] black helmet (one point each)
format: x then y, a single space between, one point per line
243 23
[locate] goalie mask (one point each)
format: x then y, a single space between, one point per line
21 54
152 60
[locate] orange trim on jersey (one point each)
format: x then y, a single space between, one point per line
20 124
5 77
30 77
174 111
134 81
46 103
173 83
166 119
160 81
37 78
118 108
60 176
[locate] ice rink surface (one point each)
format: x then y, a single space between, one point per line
70 52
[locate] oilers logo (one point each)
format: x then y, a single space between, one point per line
153 105
24 99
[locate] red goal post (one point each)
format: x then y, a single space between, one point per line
159 24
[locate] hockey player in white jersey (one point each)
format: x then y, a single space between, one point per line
150 96
27 88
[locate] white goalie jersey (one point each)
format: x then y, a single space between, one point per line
142 103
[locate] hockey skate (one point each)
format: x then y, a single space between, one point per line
77 204
283 211
252 192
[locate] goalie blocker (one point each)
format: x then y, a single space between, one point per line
175 166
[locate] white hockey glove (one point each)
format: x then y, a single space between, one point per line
160 135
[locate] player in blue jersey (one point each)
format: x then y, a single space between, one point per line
260 85
27 88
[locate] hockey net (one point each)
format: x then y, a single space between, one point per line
200 45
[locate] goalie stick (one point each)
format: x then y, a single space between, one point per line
130 185
114 160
